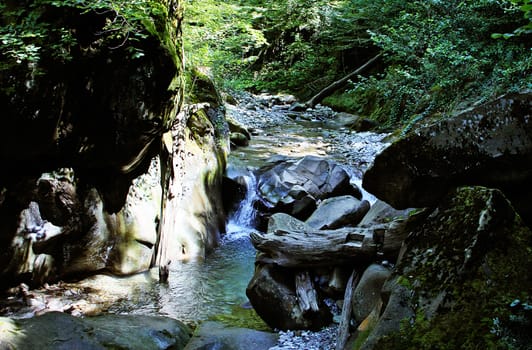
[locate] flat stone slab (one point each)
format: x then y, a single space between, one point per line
56 330
215 335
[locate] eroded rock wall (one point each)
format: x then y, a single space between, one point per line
81 184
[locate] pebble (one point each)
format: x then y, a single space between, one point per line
307 340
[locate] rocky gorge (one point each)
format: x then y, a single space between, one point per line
452 260
419 264
415 239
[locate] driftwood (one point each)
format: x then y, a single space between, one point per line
339 83
313 248
306 294
343 328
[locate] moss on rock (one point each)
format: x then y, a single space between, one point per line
466 265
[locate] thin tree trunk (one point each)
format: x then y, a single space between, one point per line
306 294
343 328
339 83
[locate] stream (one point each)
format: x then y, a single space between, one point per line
197 291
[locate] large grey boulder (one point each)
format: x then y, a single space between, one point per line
56 330
216 336
489 145
294 186
367 294
460 272
381 212
338 212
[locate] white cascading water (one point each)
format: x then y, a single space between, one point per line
243 218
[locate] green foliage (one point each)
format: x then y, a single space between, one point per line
526 7
219 35
28 33
439 56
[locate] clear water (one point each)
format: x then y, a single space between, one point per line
198 290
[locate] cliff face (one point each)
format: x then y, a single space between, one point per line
86 94
98 103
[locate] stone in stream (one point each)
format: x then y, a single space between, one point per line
352 121
338 212
367 294
273 293
293 186
56 330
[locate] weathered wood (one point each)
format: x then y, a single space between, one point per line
343 328
306 294
339 83
312 248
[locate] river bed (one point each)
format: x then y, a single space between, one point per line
201 290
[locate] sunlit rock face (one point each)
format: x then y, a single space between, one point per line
101 112
74 134
294 186
55 330
194 210
489 145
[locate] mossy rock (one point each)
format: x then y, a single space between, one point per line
466 265
202 88
242 317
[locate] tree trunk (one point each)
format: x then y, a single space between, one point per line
339 83
306 294
315 248
343 328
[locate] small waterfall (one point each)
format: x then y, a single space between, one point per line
243 218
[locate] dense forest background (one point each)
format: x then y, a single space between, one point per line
438 56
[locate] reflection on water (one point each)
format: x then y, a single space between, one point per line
197 290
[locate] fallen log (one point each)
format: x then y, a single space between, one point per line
315 248
339 83
343 327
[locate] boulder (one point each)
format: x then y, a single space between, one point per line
286 223
236 127
460 272
352 121
338 212
294 186
81 121
215 335
381 212
274 294
238 139
55 330
92 110
488 145
367 294
194 215
54 227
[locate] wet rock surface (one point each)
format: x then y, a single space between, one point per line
213 335
56 330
